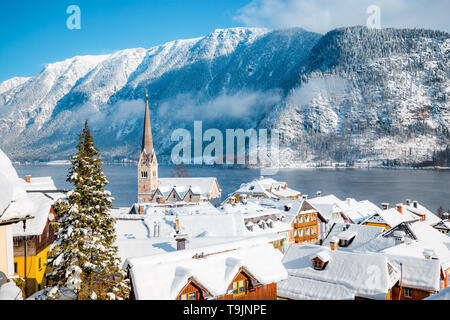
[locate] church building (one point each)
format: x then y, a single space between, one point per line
151 188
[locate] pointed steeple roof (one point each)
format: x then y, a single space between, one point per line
147 139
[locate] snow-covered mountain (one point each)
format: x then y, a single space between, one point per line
353 93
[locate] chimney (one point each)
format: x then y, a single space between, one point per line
181 241
415 203
408 202
319 193
177 224
428 253
141 209
399 207
28 178
305 196
334 243
385 206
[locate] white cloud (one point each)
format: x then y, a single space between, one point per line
324 15
239 105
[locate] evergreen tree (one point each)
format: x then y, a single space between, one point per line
83 257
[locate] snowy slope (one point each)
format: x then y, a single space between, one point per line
350 94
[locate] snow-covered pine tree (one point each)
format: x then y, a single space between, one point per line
83 257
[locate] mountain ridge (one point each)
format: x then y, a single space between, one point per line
319 90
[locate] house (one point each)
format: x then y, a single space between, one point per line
319 272
233 271
421 241
442 226
332 209
152 188
419 277
154 231
419 210
260 220
263 188
15 207
32 242
33 239
358 211
172 207
352 236
390 217
412 244
186 190
306 222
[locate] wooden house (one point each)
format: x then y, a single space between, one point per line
327 273
263 188
246 271
32 239
305 221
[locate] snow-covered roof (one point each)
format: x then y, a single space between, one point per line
427 240
418 273
444 294
364 234
14 202
268 187
358 211
430 217
39 184
41 210
250 209
298 288
9 291
141 247
328 205
162 277
203 186
194 225
390 217
367 275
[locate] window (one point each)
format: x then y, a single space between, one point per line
189 296
318 264
15 267
407 293
239 288
39 263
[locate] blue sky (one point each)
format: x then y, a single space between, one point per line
34 33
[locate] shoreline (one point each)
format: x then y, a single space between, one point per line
292 167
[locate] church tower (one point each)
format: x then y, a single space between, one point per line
148 164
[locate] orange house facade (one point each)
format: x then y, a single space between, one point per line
305 221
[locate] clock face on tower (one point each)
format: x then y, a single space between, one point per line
146 160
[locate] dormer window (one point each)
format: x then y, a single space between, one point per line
320 260
346 238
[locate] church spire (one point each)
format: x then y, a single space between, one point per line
147 139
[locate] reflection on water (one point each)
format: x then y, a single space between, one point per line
430 187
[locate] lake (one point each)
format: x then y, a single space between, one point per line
429 187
